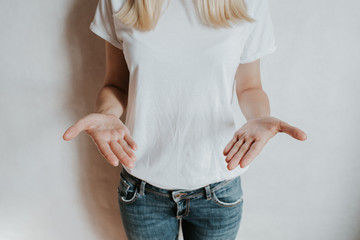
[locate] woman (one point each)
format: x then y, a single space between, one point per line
174 67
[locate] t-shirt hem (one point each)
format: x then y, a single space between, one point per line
188 188
105 36
259 54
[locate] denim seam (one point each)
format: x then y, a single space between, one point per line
187 207
192 196
169 195
159 193
237 202
221 185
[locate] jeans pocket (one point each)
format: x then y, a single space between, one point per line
230 194
127 192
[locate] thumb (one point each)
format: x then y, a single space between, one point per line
74 130
292 131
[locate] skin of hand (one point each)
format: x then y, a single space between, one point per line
249 140
110 135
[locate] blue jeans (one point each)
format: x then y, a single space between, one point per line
210 212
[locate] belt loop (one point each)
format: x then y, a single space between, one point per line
142 187
208 192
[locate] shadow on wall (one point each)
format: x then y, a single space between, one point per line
98 180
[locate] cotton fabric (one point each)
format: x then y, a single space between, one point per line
181 87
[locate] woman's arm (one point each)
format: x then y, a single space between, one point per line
108 132
112 97
253 101
249 140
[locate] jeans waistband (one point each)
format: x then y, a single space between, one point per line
141 184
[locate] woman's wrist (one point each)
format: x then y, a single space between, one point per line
110 100
108 111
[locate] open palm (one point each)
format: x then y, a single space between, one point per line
249 140
110 135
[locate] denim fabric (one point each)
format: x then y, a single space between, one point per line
211 212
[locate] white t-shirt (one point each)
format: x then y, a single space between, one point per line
181 86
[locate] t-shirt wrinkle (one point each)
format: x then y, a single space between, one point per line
181 87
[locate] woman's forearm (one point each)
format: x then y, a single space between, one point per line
254 103
111 100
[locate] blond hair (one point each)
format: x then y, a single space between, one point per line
144 14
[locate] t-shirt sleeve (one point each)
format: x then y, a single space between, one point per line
260 39
103 23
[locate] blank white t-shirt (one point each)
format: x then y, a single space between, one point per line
181 86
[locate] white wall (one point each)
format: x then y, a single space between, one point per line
51 67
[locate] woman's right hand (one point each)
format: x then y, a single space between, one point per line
110 135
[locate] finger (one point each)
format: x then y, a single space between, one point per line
253 151
127 148
105 150
71 133
230 145
75 129
130 141
236 137
235 149
292 131
120 154
237 157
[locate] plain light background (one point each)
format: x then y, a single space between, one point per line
52 66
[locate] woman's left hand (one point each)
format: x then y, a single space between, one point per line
249 140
